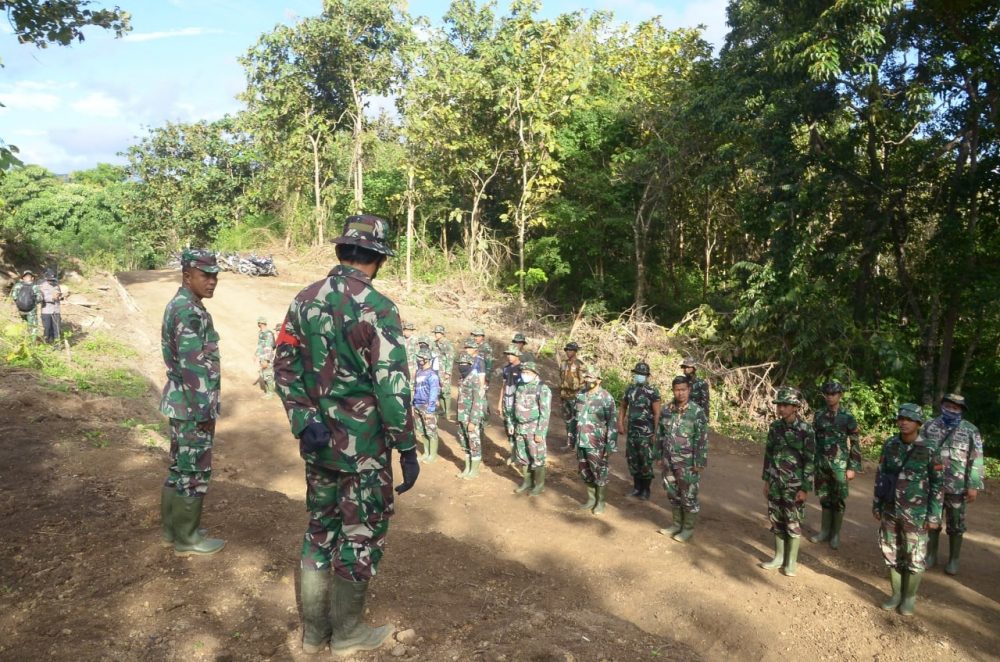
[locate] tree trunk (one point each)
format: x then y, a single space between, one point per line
966 362
357 152
411 208
320 219
947 345
640 234
521 223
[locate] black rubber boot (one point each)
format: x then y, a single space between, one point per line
525 483
347 609
954 553
187 538
791 556
909 604
933 540
591 497
646 482
690 519
314 591
602 497
824 530
779 554
636 487
677 525
537 481
838 521
896 582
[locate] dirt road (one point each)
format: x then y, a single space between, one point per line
476 571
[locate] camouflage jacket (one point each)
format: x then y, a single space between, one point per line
340 361
265 345
596 422
471 399
699 393
532 407
837 438
639 399
190 347
790 456
412 345
920 482
961 453
511 375
485 350
14 291
446 359
570 378
683 438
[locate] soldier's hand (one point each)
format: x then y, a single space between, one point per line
850 474
800 496
877 515
971 494
206 427
314 438
411 469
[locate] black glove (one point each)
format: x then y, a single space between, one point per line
411 469
314 438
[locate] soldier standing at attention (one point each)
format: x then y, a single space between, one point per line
519 341
789 465
412 347
28 298
682 453
190 400
485 350
426 388
446 354
838 457
471 409
511 376
699 387
639 416
961 448
265 356
908 498
340 369
570 383
595 436
532 406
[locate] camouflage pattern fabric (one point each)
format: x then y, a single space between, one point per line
594 434
190 458
265 358
190 347
640 449
789 466
532 408
31 317
446 362
425 398
485 350
961 449
412 347
838 449
700 393
471 411
917 503
511 375
683 446
570 383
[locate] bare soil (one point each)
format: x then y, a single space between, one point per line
476 572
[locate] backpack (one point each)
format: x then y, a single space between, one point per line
25 298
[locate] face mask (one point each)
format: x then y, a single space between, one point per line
589 385
639 379
528 377
951 417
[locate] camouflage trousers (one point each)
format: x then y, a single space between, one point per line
682 485
639 454
348 520
528 452
31 319
785 513
266 375
190 458
569 415
903 545
831 484
954 513
592 465
509 426
470 440
444 399
425 424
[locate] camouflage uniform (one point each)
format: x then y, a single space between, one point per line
485 350
570 383
30 317
426 389
639 445
699 387
961 449
532 407
837 450
471 408
511 377
683 445
265 357
412 345
594 434
789 466
446 353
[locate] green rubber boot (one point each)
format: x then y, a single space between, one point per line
166 503
954 552
465 468
896 581
779 554
824 530
473 470
933 539
591 497
838 521
432 445
525 483
538 481
347 609
602 499
677 525
187 538
314 589
909 604
690 519
792 557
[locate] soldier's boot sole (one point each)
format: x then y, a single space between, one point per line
690 519
779 554
678 524
838 521
908 606
896 582
791 567
954 554
824 530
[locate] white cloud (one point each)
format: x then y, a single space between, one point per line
169 34
99 104
32 96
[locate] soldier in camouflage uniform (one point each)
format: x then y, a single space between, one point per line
412 347
519 341
485 350
190 347
570 383
595 436
29 316
908 499
699 387
532 407
961 448
838 457
426 389
510 378
446 354
789 466
471 409
639 417
682 453
265 356
340 369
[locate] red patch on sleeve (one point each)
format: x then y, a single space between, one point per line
285 338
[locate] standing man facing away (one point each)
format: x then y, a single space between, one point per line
838 457
265 356
52 297
190 400
570 383
340 370
510 377
28 298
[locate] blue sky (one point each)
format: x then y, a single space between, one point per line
69 108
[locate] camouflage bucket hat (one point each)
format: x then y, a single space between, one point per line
512 349
956 398
911 411
470 344
424 340
832 386
519 337
367 231
592 371
571 347
409 326
787 396
529 366
641 368
689 362
261 320
438 329
478 331
200 259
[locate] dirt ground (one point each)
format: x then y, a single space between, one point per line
476 572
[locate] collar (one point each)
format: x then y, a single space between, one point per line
350 272
189 295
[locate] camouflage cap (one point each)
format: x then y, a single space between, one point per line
424 340
592 371
261 320
464 359
689 362
367 231
641 368
787 396
27 272
832 386
571 347
680 379
513 349
478 331
529 366
424 355
956 398
519 337
409 326
200 259
911 411
470 344
438 329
